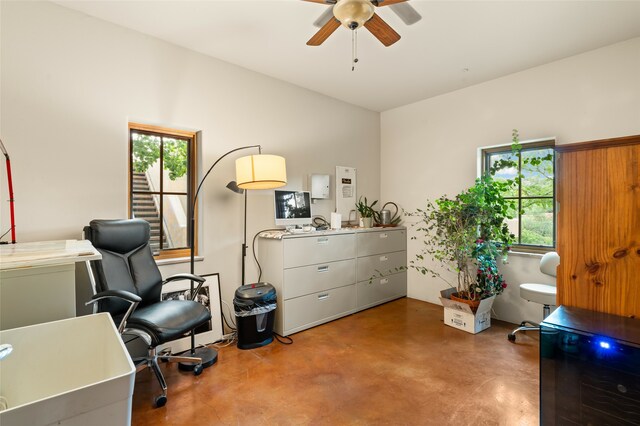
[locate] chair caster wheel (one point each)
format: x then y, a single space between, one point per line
197 370
511 337
160 401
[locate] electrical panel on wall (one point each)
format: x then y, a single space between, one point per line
319 187
345 191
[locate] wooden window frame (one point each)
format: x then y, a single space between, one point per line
528 146
191 171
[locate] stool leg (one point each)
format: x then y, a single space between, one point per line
546 310
512 336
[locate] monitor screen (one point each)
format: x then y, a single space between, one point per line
292 207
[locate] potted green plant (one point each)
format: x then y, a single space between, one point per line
366 212
468 234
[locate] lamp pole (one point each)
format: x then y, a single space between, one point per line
209 356
233 186
244 238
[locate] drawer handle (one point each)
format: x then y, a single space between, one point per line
384 281
323 296
324 268
323 240
384 258
384 235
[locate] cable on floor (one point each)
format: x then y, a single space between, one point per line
228 338
288 341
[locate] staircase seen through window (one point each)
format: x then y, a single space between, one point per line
161 182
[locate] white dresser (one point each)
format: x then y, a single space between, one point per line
322 276
37 281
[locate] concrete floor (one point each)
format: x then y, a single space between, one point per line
393 364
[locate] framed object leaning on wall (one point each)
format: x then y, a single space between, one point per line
209 296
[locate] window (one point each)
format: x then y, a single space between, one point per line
161 183
534 196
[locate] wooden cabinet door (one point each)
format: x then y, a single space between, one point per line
599 226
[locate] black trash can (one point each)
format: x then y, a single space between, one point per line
255 306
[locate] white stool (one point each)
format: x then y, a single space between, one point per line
539 293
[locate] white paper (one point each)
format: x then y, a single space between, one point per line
336 221
346 191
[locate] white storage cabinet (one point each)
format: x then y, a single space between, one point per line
323 276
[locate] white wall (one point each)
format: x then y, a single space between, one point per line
69 85
429 148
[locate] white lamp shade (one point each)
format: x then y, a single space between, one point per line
261 172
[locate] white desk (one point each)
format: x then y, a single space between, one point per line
37 281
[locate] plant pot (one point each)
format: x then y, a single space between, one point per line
473 304
367 222
459 313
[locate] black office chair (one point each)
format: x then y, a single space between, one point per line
127 284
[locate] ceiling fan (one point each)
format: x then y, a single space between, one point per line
354 14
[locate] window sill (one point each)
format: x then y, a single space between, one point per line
526 254
537 253
177 260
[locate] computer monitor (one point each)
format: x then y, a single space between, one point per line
292 208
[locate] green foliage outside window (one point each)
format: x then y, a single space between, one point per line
531 179
146 152
175 157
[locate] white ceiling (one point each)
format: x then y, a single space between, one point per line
455 45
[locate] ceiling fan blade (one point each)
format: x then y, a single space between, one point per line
322 1
324 18
381 30
380 3
324 33
406 12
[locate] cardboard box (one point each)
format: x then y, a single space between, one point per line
459 315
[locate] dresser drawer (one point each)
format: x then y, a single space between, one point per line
314 278
377 242
317 249
381 290
313 309
380 264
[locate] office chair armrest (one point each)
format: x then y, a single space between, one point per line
120 294
190 277
178 277
134 299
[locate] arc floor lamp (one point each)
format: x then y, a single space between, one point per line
233 186
261 171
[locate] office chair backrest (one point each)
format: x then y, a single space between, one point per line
549 263
127 262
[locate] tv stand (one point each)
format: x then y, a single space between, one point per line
320 276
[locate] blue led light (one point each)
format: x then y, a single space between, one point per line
605 345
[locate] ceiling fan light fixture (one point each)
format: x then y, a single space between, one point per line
353 13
